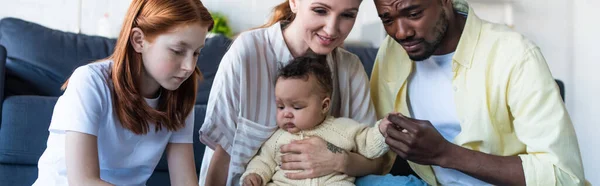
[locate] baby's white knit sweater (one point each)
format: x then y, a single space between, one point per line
341 132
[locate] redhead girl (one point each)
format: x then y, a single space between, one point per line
118 115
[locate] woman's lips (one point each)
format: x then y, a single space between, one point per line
325 40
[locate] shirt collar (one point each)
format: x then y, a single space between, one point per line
468 40
277 42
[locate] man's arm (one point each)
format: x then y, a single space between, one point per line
497 170
542 123
218 168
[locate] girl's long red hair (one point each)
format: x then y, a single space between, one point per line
153 17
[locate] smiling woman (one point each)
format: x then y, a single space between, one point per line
241 109
309 18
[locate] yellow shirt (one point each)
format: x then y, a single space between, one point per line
507 102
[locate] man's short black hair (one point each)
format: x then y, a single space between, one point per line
304 66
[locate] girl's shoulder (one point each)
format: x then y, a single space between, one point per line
95 75
100 69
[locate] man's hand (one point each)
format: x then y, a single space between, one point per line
416 140
252 180
313 155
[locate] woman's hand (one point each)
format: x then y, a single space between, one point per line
314 156
252 180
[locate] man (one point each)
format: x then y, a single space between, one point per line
473 102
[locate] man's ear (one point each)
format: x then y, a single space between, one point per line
447 6
137 39
294 6
326 105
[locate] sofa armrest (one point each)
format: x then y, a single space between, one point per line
2 75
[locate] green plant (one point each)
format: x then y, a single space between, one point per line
221 25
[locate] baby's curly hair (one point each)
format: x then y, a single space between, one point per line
304 66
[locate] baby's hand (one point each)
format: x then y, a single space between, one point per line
385 123
252 180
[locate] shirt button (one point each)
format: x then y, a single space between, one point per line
455 88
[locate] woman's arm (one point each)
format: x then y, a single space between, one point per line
316 158
219 167
182 169
81 156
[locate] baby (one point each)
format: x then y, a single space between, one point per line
303 94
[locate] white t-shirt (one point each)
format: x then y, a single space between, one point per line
241 109
86 106
431 97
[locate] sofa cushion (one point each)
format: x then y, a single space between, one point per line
41 59
208 63
2 77
17 175
24 131
159 178
366 55
45 58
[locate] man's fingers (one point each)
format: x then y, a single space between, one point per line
399 145
399 152
403 122
399 134
394 113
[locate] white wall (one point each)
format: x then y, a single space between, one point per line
58 14
64 14
552 32
585 98
566 31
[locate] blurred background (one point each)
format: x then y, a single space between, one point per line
567 31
